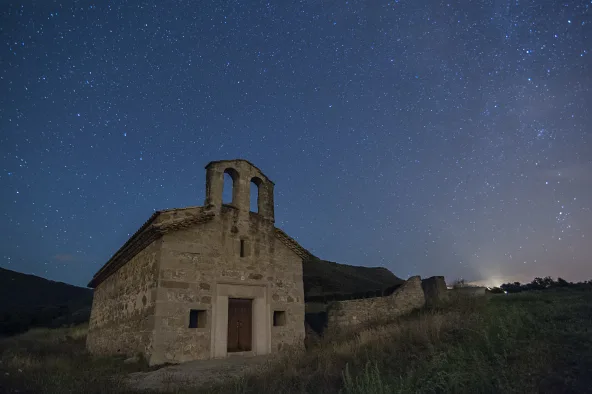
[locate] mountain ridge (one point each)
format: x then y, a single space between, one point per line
28 300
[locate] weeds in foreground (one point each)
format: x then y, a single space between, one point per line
521 343
46 360
509 344
369 382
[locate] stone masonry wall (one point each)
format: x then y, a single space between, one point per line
196 259
122 315
287 294
470 291
348 314
185 282
435 290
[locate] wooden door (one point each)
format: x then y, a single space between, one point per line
240 312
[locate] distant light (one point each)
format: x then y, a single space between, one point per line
505 292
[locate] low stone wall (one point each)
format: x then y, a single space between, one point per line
435 291
469 291
347 314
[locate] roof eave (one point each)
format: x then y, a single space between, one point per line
293 245
123 247
148 233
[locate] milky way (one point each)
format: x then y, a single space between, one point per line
426 137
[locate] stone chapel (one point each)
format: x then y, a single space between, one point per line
203 282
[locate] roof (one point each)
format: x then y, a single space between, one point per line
151 231
145 235
293 245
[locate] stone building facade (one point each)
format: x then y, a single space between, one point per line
203 282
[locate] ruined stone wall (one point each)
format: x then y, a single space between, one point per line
348 314
435 290
469 291
195 260
122 315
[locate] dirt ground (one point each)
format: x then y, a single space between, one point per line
195 373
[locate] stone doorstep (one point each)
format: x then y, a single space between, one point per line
249 353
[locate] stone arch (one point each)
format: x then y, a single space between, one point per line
257 182
241 186
234 175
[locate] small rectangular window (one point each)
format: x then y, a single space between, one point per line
242 248
197 318
279 318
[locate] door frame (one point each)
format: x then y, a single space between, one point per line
260 320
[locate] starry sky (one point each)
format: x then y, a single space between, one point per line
429 137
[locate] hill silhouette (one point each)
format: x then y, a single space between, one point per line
28 301
322 277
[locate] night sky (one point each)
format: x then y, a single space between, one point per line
432 138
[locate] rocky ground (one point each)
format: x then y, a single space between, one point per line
195 373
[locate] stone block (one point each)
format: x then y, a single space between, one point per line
169 284
435 290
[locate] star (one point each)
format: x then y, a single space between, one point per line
402 140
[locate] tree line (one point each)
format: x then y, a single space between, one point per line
540 284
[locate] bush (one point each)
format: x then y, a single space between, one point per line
542 284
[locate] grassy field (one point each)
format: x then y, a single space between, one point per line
527 342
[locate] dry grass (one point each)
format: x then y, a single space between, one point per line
525 343
55 361
473 345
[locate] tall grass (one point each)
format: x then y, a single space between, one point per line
46 360
469 346
521 343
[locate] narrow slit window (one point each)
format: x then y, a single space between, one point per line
279 318
254 195
197 318
242 248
